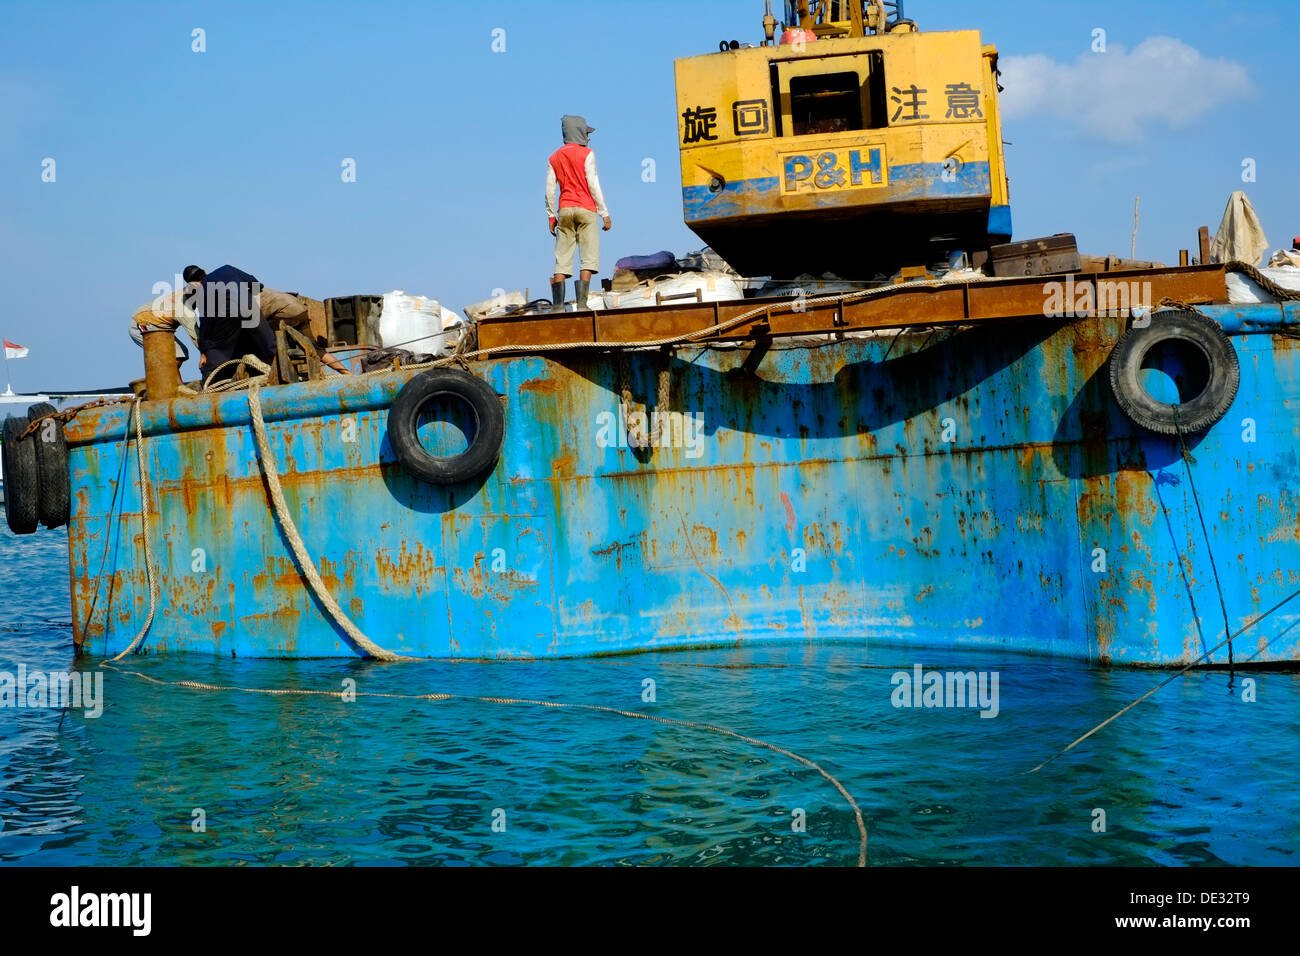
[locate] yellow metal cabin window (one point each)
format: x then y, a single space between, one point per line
830 94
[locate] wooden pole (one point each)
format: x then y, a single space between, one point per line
1204 235
1133 249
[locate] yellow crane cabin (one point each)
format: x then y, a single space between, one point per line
847 142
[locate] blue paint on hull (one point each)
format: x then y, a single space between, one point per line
907 182
941 490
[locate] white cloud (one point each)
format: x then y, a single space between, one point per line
1121 96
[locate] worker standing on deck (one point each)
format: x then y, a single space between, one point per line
571 172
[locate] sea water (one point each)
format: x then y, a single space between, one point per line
1202 773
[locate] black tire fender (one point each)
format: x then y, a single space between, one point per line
54 505
485 447
1183 327
22 487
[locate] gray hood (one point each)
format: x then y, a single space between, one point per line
575 130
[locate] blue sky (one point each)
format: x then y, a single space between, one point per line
164 156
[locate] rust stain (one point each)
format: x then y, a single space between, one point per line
789 512
733 620
552 385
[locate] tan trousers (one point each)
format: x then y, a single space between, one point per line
280 308
577 228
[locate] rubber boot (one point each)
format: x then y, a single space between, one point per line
580 290
557 296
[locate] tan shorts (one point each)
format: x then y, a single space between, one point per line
577 228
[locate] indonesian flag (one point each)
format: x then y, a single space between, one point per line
14 351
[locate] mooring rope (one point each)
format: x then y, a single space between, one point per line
327 599
1166 681
113 505
555 705
146 498
1264 282
1188 461
646 437
210 383
305 562
681 338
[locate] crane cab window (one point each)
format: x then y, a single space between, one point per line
830 103
830 94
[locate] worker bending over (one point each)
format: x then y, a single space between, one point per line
240 316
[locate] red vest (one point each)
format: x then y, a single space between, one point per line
570 165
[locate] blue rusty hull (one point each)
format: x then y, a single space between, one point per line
938 490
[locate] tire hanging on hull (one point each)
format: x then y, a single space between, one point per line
54 504
1199 338
22 487
485 446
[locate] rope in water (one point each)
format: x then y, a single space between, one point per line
309 571
1169 680
327 600
556 705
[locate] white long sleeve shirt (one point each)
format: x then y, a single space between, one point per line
593 186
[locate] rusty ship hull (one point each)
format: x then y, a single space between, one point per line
970 486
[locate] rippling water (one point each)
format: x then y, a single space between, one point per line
1193 776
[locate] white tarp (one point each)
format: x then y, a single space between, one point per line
1240 237
497 305
1243 290
418 324
683 288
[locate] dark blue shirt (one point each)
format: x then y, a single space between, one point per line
229 323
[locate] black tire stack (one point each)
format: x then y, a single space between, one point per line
37 488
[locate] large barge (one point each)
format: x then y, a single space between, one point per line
1033 462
